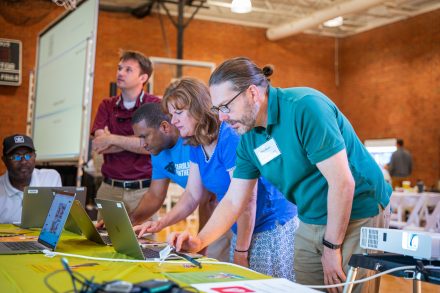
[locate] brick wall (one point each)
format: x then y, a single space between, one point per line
14 100
302 60
390 87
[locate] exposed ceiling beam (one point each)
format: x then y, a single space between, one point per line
318 17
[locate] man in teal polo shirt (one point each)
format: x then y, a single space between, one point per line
299 140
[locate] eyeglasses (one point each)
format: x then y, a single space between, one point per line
224 108
18 157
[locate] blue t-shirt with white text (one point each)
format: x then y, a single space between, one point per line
172 164
272 207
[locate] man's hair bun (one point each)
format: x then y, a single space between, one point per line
268 70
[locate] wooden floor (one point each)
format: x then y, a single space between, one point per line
394 284
388 283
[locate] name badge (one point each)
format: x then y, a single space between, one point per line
267 151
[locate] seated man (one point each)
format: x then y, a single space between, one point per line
170 161
19 159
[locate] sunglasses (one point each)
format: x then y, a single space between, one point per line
17 157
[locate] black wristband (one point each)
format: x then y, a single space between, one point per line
235 249
331 245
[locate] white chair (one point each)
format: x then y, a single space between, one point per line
400 203
415 216
433 219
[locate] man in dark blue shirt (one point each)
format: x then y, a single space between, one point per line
400 166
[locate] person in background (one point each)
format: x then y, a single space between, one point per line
127 166
170 161
400 165
301 142
19 158
264 233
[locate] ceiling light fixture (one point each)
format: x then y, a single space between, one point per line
241 6
334 22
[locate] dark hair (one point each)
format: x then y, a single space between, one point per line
400 142
144 62
241 72
151 113
193 95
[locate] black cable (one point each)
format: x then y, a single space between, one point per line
85 287
88 283
46 280
76 277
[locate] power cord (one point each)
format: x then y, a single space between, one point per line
370 278
49 253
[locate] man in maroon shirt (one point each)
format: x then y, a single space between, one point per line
127 166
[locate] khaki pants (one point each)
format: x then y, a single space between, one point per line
130 197
309 248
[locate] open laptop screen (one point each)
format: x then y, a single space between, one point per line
55 220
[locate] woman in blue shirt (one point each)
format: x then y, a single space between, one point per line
264 233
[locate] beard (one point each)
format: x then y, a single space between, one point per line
247 121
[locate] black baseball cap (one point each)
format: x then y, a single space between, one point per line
12 142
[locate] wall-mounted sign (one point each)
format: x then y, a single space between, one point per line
10 62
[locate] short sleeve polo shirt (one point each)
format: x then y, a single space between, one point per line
123 165
308 128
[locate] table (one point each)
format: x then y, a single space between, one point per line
384 261
25 273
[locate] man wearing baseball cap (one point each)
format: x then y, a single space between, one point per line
19 159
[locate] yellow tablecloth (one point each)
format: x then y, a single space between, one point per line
26 273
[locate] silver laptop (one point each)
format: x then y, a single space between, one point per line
85 224
121 232
51 231
37 201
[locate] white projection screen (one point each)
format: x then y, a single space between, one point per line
64 84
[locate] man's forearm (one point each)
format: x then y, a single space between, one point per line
148 206
339 203
112 149
129 143
245 225
340 195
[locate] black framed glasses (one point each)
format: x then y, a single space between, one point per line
18 157
224 108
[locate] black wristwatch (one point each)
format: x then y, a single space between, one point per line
331 245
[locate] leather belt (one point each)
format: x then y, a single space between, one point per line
132 184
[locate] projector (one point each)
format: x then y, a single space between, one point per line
420 245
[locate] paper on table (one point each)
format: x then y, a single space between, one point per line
203 277
257 286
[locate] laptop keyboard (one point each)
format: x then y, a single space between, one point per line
17 246
150 253
106 239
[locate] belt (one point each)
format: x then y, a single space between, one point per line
132 184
